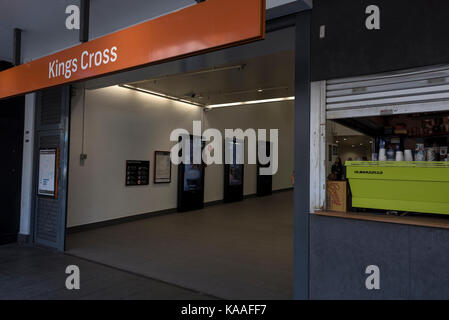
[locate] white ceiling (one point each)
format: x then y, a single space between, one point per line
239 73
276 3
275 43
243 80
43 21
346 137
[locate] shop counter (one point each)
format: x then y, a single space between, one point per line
400 186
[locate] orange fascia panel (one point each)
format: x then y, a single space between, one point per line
203 27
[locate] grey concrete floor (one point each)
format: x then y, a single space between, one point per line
36 274
234 251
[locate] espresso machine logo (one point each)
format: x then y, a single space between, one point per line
368 172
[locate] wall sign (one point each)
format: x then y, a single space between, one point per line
137 173
162 167
48 173
207 26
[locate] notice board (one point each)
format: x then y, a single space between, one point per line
48 173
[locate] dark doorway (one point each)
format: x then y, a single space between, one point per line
11 145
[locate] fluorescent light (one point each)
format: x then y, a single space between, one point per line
161 95
233 104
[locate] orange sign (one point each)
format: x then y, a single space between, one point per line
207 26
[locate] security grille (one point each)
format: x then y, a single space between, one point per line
418 90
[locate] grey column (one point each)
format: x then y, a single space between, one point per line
51 132
302 156
27 166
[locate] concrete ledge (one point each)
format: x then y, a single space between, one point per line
431 221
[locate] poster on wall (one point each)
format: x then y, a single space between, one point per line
48 173
162 167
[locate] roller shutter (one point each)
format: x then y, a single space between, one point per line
411 91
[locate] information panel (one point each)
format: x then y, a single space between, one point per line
137 173
48 173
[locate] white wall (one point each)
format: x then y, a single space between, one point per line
278 115
122 124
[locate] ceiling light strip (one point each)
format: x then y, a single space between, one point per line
233 104
161 95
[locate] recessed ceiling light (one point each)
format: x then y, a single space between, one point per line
260 90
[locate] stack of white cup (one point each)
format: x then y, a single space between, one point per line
408 155
431 154
382 155
399 156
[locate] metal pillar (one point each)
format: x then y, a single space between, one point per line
302 156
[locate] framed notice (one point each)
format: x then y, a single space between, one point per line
48 173
162 167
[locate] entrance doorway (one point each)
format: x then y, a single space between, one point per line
238 250
11 144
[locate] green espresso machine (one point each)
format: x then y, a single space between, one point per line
400 186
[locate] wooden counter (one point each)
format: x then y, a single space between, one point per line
422 221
